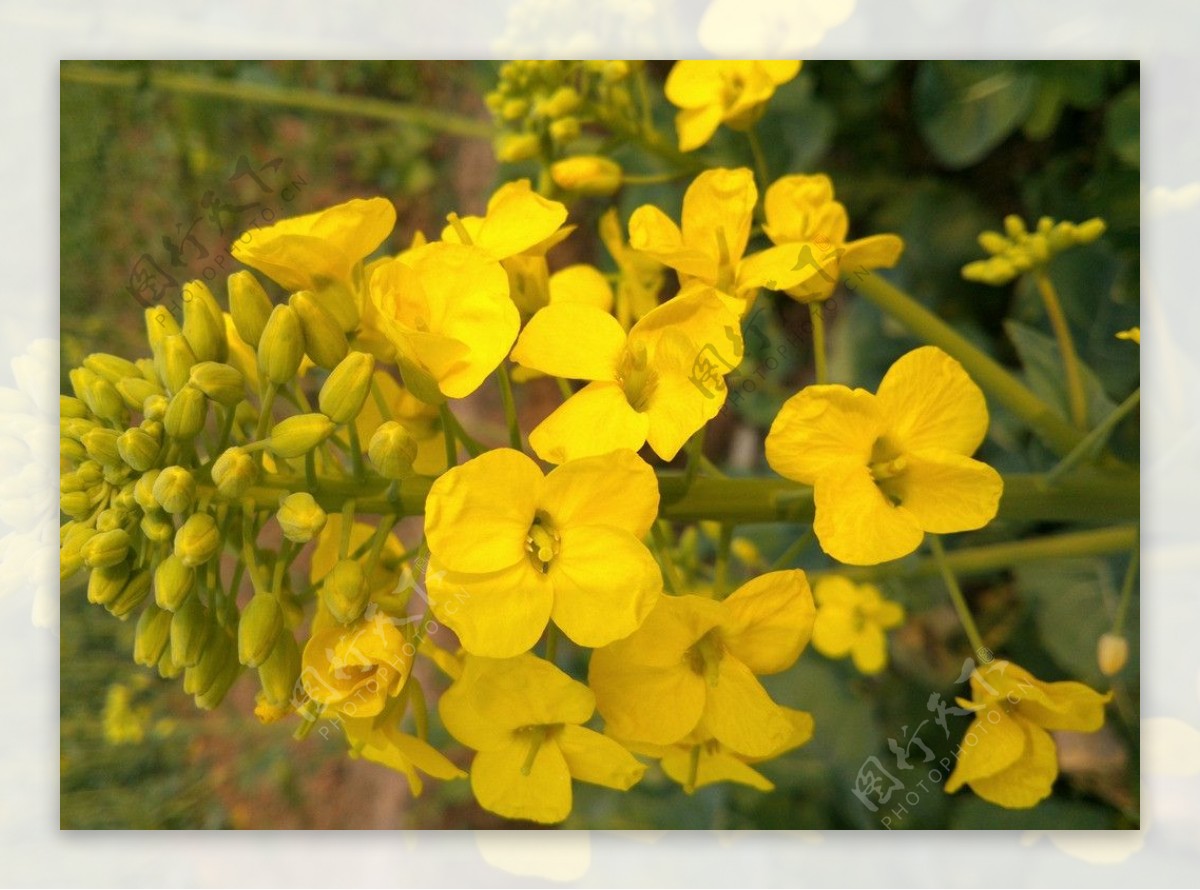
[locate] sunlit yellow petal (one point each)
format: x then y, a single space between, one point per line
1067 706
929 401
501 786
872 252
696 126
835 630
572 340
831 590
518 218
654 233
496 614
947 492
1029 780
993 742
592 757
718 208
823 429
695 82
856 524
712 767
596 420
869 651
581 283
740 714
618 489
770 621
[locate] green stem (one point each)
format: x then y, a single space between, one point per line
474 448
820 361
348 511
510 407
790 555
760 161
564 388
264 412
260 95
695 456
1076 397
721 571
960 602
1131 576
551 642
651 178
420 710
448 433
356 455
984 370
663 547
1096 439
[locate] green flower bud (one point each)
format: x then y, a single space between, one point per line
1044 225
174 362
222 383
71 482
111 367
1088 231
160 324
157 527
148 370
135 391
211 664
233 473
105 549
132 595
347 387
198 540
101 445
69 406
279 673
186 414
117 474
513 148
258 629
190 630
143 491
616 70
75 504
175 489
1015 227
98 394
151 636
345 592
203 323
993 242
124 500
173 583
155 407
71 450
168 669
138 448
215 694
76 427
249 305
300 517
392 450
587 175
105 584
70 557
324 339
110 519
564 101
90 472
297 435
281 346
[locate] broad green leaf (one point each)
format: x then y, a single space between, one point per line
965 109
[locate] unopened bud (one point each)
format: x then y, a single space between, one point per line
1015 227
69 406
563 101
993 242
300 517
392 450
222 383
168 669
513 148
105 549
111 367
173 583
213 661
105 584
101 445
1112 652
143 491
132 595
98 394
233 473
151 636
190 629
278 674
186 414
110 520
198 540
587 175
345 591
174 362
281 346
160 324
565 129
157 527
324 339
138 448
175 490
217 690
297 435
155 407
258 629
249 305
347 387
204 323
1089 230
135 391
71 450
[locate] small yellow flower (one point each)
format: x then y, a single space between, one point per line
511 549
388 746
421 420
644 386
1134 334
801 211
523 716
579 283
445 309
354 670
321 252
852 619
691 667
711 92
1008 756
696 762
587 174
889 467
709 245
640 276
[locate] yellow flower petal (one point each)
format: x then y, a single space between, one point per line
869 651
605 583
695 82
712 767
821 430
497 614
856 524
581 283
770 621
1029 780
831 590
696 126
947 492
544 795
993 742
801 208
518 218
653 233
571 340
739 713
1066 705
835 630
596 420
872 252
478 514
592 757
929 401
406 754
889 614
617 489
718 209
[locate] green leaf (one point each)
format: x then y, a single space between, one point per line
1045 375
965 109
1122 126
975 813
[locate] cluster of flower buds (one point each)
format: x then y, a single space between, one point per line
542 105
173 466
1019 250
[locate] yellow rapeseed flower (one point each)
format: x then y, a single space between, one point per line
659 383
852 619
801 211
691 667
523 716
511 549
710 92
355 669
445 309
640 276
321 252
889 467
1008 756
1134 334
388 746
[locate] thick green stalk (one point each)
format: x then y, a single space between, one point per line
984 370
1066 347
974 637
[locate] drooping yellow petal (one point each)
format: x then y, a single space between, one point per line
518 218
1029 780
406 754
592 757
617 489
605 583
653 233
801 208
739 713
501 785
831 590
993 742
1067 705
929 401
572 340
478 514
872 252
856 524
718 209
770 621
692 83
696 126
823 430
947 492
497 614
712 766
835 630
596 420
